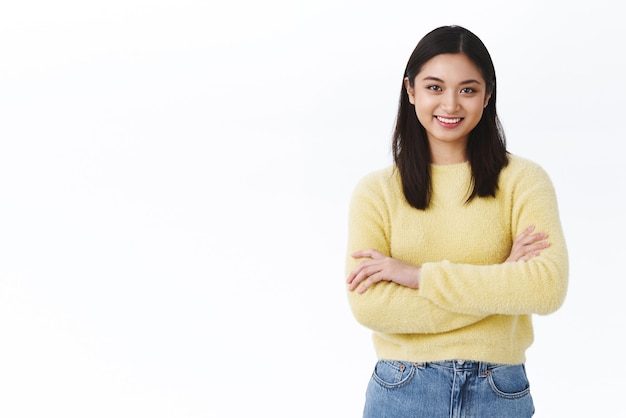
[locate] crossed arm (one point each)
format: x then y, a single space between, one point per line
377 267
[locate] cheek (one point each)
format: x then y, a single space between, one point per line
476 109
424 107
423 115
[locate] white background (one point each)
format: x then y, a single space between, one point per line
174 178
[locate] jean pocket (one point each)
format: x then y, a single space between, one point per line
391 373
509 381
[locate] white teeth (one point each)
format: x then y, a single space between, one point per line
446 120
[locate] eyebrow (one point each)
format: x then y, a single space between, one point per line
431 78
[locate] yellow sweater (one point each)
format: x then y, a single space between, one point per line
471 305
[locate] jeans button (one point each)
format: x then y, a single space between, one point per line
461 362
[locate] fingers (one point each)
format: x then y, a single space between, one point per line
371 253
535 248
535 251
526 232
528 245
368 282
364 276
526 237
362 270
366 273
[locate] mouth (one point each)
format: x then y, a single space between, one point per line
448 121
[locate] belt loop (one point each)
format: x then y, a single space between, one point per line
483 369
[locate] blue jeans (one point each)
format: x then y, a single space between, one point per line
448 389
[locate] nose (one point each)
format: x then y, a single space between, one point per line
450 101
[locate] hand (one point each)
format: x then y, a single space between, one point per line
381 268
528 245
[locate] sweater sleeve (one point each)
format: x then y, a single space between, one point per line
388 307
537 286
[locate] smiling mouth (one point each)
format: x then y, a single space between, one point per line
448 120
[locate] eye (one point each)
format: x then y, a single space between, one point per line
468 90
433 87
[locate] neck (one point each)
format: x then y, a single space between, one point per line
443 153
446 158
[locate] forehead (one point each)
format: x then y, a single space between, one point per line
450 67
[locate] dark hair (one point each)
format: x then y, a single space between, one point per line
486 146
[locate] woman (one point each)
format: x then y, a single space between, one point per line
454 247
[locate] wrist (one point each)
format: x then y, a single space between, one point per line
418 277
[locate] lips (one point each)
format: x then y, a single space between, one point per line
448 120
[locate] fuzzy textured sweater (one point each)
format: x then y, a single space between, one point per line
471 305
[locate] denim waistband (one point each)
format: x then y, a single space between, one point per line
468 365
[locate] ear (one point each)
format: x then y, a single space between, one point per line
487 97
409 90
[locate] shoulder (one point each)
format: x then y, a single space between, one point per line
381 179
523 176
520 168
379 188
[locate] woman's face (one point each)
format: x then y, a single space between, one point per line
449 95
